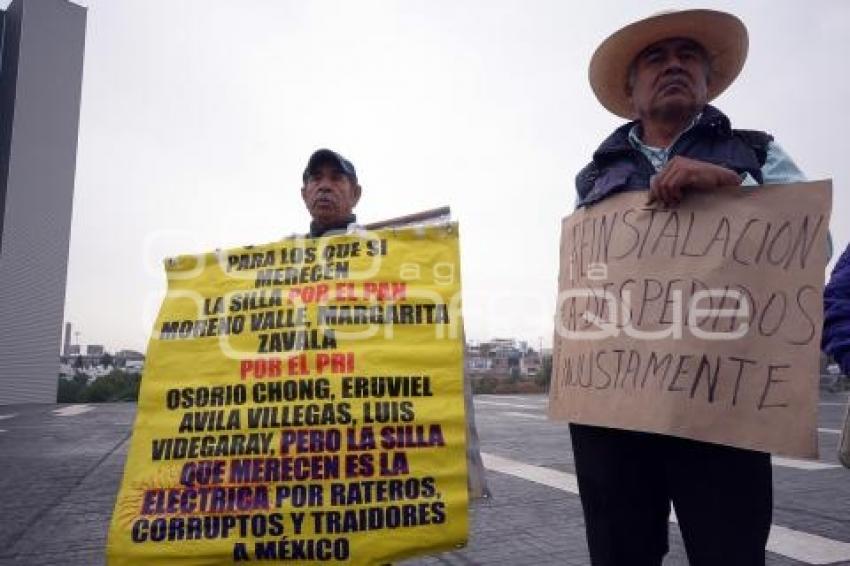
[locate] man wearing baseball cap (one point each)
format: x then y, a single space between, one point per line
660 73
330 191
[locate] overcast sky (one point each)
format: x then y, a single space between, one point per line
198 117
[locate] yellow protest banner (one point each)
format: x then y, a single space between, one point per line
701 321
302 402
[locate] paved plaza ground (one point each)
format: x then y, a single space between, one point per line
60 466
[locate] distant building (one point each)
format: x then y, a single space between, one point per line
129 355
97 361
502 357
130 361
505 354
66 348
477 359
94 350
531 363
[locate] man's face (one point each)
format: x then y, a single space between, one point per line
329 194
669 80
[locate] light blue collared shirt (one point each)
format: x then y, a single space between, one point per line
778 168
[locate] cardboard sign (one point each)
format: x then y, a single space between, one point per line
302 402
701 321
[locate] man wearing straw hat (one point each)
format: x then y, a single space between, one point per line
661 72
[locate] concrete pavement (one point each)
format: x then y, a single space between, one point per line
61 466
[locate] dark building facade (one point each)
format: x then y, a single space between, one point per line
41 66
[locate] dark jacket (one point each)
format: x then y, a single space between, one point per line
836 322
317 230
617 166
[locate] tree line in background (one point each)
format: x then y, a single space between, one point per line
117 385
514 381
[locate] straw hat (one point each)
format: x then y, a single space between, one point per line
722 35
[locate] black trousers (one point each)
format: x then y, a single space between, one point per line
723 498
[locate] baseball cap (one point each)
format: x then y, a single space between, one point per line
321 156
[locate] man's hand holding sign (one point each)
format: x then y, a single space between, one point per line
681 174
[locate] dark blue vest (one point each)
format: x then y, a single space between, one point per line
617 166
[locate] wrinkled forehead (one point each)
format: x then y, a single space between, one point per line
672 44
